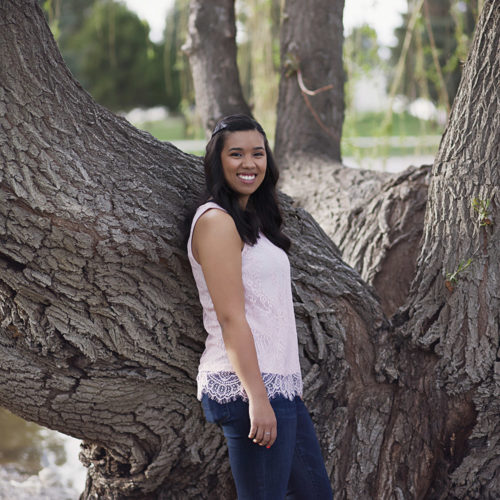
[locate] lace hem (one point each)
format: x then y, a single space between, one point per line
226 386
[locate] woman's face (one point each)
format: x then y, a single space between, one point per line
244 162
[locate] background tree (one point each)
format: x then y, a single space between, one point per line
97 338
311 56
213 65
259 56
107 47
178 81
445 26
118 63
66 18
311 51
361 58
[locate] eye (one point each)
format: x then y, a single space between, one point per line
234 154
259 154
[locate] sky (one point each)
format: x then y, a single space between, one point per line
383 15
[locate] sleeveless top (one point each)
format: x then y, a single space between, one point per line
269 312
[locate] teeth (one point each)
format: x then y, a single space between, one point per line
247 177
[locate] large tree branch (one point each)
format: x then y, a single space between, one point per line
375 218
100 323
100 327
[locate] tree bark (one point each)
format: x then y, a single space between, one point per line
100 325
311 41
211 47
375 218
458 330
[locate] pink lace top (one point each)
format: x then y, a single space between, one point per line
269 312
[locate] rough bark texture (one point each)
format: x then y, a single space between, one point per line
459 331
376 219
311 39
211 48
100 326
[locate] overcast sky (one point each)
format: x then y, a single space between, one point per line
383 15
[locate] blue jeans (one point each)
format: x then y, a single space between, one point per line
292 468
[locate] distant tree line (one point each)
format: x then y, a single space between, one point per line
107 47
443 33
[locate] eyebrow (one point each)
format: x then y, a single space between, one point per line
241 149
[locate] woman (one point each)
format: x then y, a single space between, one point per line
249 377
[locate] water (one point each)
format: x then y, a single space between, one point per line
37 463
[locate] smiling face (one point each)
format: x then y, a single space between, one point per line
244 162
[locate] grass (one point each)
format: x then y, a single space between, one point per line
384 150
173 128
402 125
164 130
355 125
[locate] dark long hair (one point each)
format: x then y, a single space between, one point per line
262 212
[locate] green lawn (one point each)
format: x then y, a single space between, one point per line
402 124
171 129
355 125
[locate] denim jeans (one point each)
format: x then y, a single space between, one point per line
292 468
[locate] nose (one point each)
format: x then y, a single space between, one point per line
248 161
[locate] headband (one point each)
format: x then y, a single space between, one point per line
222 125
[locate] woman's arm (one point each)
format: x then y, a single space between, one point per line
216 245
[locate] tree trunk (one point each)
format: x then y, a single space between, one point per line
311 48
376 219
456 327
211 47
100 325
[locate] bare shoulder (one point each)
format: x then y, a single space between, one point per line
216 222
215 232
